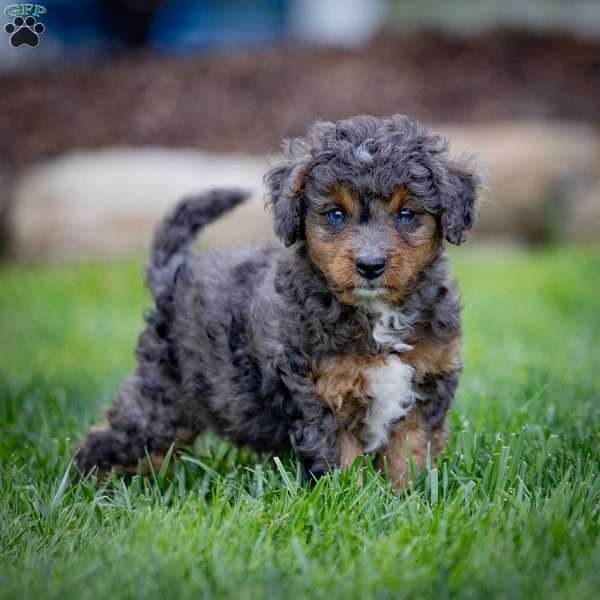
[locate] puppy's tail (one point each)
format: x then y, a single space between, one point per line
174 236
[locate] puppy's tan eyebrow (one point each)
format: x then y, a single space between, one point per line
344 198
398 199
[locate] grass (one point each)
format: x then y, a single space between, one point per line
510 512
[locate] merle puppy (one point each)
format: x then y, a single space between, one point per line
342 341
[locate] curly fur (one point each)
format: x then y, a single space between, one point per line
233 339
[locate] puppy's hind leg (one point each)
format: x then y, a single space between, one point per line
140 419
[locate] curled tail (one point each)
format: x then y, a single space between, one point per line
175 234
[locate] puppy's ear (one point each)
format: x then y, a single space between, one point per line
285 187
459 199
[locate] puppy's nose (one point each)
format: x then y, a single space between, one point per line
370 268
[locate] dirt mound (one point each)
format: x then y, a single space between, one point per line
246 100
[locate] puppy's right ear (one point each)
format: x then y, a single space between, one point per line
285 187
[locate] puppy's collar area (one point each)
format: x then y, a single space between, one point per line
391 326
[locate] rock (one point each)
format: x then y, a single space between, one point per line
543 185
585 221
106 203
540 178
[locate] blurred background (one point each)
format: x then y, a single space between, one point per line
124 106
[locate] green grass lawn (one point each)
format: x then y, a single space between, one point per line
511 510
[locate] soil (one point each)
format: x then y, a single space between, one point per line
245 100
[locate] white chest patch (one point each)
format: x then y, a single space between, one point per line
392 398
391 326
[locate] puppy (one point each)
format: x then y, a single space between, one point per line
342 341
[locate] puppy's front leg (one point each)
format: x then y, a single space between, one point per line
410 440
331 401
350 448
341 384
407 441
437 366
314 439
342 453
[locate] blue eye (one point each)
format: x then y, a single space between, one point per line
406 215
336 216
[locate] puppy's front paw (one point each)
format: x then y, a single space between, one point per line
103 448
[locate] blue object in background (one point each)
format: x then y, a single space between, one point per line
186 25
76 28
77 24
167 25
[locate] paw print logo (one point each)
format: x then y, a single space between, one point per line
24 32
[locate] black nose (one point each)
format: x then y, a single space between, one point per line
370 268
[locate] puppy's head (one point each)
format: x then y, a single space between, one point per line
373 199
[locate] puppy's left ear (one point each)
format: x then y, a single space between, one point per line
458 197
285 187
